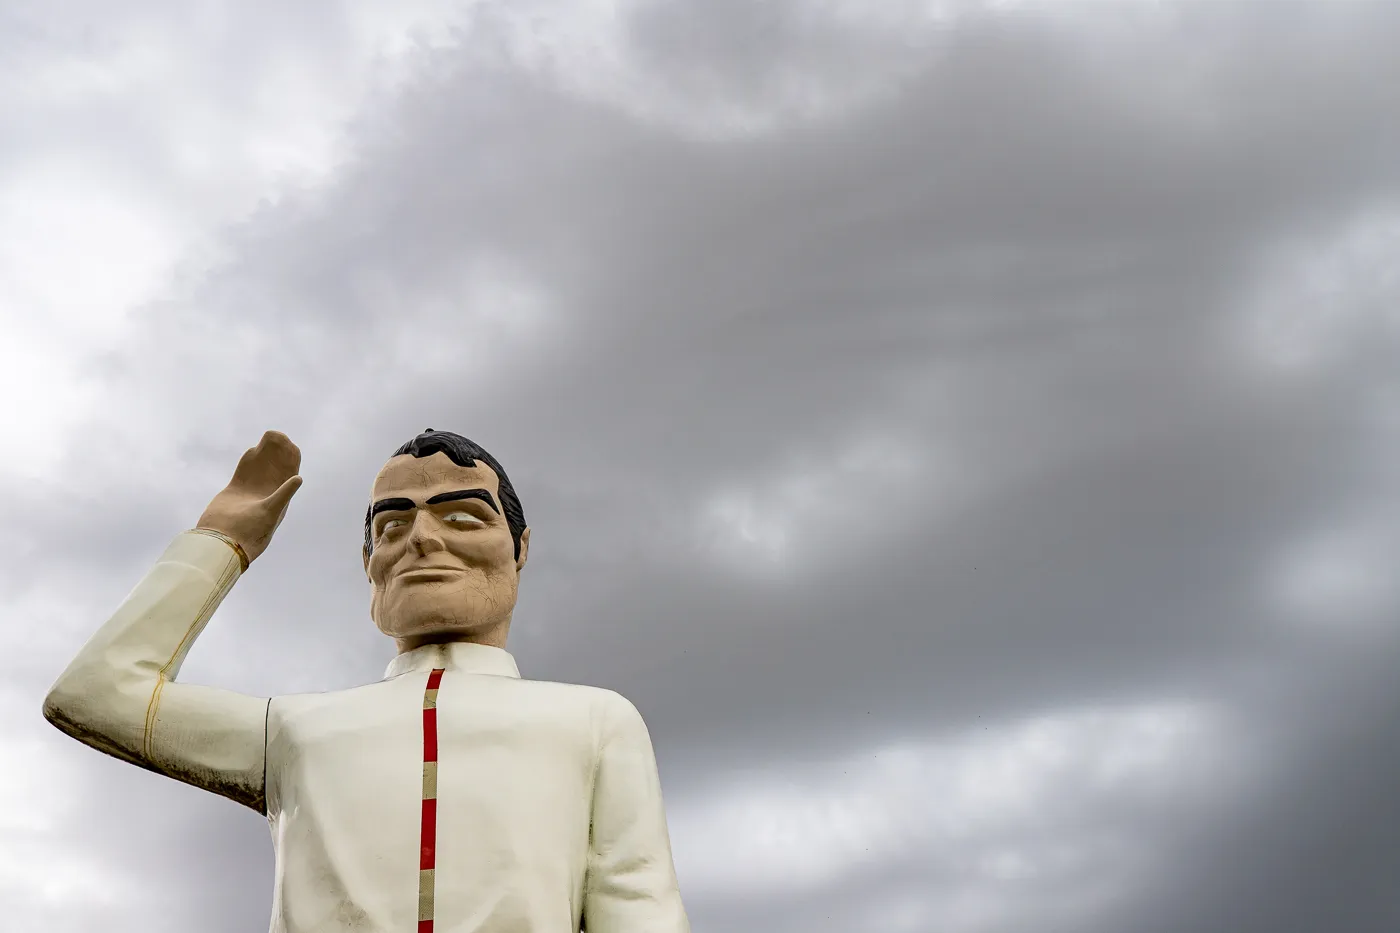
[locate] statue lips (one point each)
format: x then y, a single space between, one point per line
428 573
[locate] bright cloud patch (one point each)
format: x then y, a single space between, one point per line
41 874
823 499
1343 575
1320 300
1036 804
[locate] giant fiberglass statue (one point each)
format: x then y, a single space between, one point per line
450 793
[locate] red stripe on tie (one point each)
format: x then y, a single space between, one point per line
428 847
430 735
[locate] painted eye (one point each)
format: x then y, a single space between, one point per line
390 524
460 517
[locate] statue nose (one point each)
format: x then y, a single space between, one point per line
424 535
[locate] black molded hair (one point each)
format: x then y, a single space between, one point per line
464 453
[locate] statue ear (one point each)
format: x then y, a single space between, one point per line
364 554
524 550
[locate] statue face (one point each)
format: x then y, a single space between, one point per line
443 565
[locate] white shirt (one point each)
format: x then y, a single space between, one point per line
541 812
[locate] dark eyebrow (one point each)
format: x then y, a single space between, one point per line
406 505
391 505
454 495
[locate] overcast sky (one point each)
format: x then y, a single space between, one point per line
970 433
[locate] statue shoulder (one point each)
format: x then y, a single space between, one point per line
602 705
572 694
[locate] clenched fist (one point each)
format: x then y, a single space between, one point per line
251 506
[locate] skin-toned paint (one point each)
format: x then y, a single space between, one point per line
443 565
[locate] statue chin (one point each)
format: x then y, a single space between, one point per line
433 613
428 625
433 627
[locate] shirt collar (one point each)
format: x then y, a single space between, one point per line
454 656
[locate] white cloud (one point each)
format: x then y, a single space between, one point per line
1020 803
1319 299
76 250
825 498
586 48
41 873
130 144
1341 576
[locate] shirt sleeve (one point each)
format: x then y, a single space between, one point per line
120 696
631 882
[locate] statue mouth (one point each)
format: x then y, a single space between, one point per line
428 573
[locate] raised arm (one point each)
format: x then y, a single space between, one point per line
120 696
631 881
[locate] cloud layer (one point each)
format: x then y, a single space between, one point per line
964 430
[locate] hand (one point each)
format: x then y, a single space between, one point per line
251 506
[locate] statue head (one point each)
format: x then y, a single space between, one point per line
445 541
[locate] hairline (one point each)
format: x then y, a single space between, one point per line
450 444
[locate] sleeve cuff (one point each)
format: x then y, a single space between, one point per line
219 535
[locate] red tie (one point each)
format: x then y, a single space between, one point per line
428 846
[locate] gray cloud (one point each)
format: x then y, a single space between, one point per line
934 395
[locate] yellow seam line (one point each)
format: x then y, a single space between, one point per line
225 579
147 735
205 611
220 536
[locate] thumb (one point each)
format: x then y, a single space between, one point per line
277 502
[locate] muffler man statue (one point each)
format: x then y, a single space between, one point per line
450 793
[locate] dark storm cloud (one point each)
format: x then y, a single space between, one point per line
1022 249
